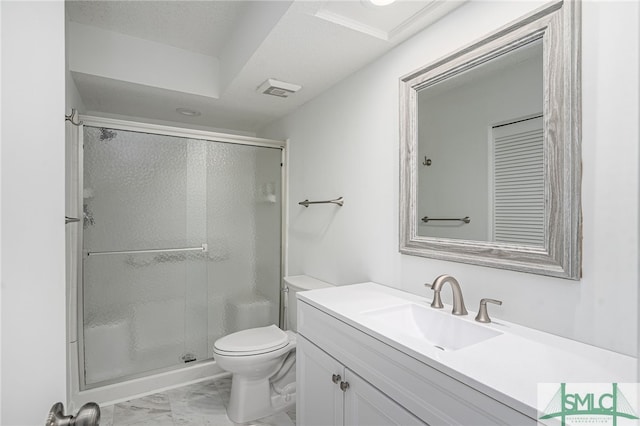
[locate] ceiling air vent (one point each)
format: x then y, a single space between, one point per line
278 88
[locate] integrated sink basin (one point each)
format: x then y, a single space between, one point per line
440 329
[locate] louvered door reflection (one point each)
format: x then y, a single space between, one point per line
518 183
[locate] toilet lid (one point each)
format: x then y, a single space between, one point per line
253 340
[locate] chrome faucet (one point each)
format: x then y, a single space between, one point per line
458 302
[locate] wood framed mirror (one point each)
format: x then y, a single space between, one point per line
490 163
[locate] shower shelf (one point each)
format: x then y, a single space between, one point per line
178 257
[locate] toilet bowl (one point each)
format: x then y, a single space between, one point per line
262 362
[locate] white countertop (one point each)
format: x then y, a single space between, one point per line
507 367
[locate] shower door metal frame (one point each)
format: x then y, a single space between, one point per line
75 313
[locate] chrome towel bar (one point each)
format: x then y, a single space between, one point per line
338 201
465 219
203 248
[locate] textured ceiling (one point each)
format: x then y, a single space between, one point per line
312 43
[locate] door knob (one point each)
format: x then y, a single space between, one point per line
88 415
344 386
335 378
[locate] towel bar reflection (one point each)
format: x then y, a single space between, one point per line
465 219
338 201
203 248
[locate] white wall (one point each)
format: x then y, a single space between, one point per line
33 286
345 143
1 221
72 100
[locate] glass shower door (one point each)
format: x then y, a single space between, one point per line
181 245
144 281
244 235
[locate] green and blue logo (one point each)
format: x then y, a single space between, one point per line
590 403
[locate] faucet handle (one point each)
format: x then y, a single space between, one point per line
437 301
483 315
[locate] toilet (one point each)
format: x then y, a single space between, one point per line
262 361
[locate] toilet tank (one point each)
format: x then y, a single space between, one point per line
295 284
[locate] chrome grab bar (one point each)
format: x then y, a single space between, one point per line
465 219
203 248
338 201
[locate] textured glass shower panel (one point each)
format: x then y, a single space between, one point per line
147 311
142 192
244 233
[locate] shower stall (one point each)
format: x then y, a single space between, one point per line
179 243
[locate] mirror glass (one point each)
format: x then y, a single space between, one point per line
480 168
490 155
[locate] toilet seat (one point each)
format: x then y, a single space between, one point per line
252 341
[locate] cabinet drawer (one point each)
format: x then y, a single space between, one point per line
432 396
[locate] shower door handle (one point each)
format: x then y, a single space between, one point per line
68 219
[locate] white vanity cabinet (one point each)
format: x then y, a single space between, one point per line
406 367
331 394
386 386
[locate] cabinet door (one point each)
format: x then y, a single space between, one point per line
365 405
318 396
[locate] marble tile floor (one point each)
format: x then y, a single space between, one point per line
200 404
